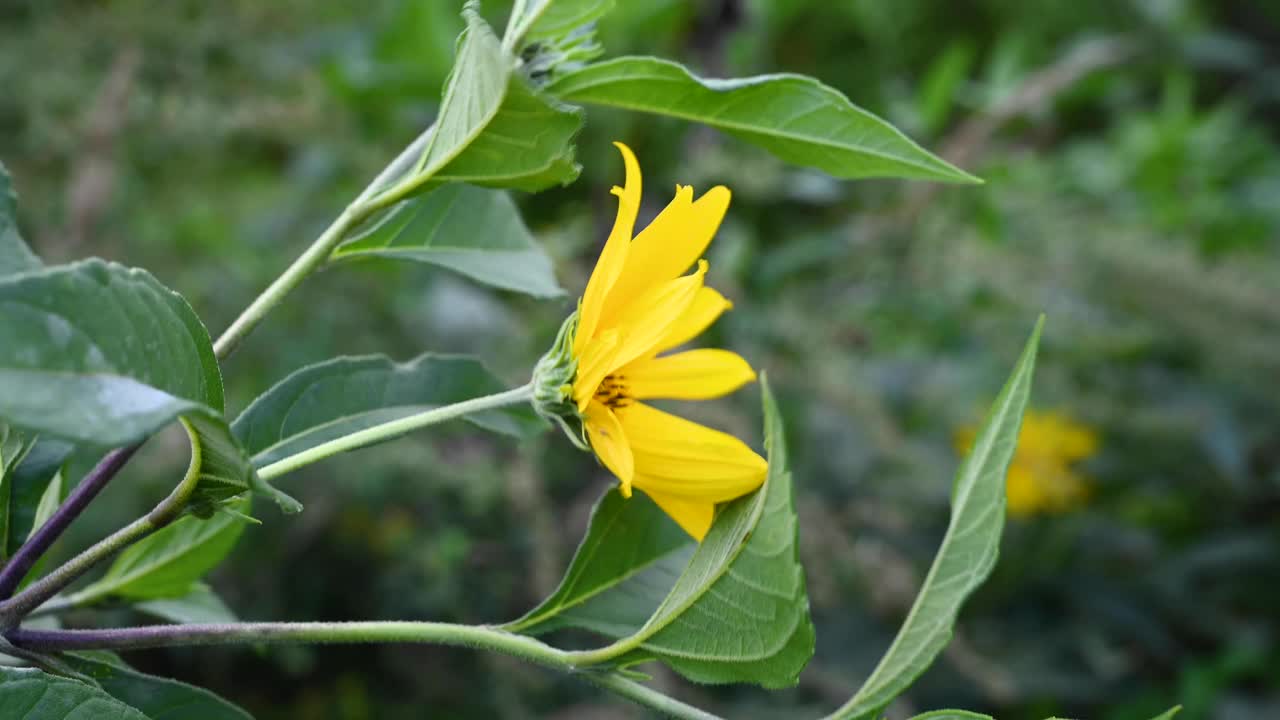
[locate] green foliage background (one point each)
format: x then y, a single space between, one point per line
1130 157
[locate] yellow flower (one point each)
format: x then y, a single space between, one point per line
639 304
1041 479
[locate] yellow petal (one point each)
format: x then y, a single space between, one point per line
670 244
695 517
595 362
614 256
649 317
706 307
609 441
682 458
689 375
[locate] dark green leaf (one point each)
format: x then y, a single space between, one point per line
29 694
28 484
14 447
105 355
968 550
15 256
157 698
169 563
470 230
201 605
626 538
338 397
794 117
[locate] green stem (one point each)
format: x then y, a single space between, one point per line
358 211
393 429
35 595
472 636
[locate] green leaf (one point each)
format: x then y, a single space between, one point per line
470 230
105 355
968 550
794 117
15 256
35 695
1168 714
952 715
341 396
625 538
483 133
739 612
201 605
27 484
14 448
157 698
731 609
169 563
550 19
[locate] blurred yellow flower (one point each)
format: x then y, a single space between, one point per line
1041 478
638 304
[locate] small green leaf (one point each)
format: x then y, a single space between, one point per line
731 609
482 134
201 605
794 117
341 396
105 355
31 694
470 230
550 19
968 550
28 483
14 447
1168 714
157 698
169 563
626 537
952 715
15 256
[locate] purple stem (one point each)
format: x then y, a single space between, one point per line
40 541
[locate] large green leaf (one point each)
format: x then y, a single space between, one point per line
968 551
628 540
169 563
739 612
157 698
200 605
794 117
28 694
550 19
15 256
473 231
105 355
731 609
341 396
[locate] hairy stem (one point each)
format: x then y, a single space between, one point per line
40 541
393 429
318 253
477 637
35 595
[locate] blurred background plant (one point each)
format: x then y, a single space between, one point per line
1130 155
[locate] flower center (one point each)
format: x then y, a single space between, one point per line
613 392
